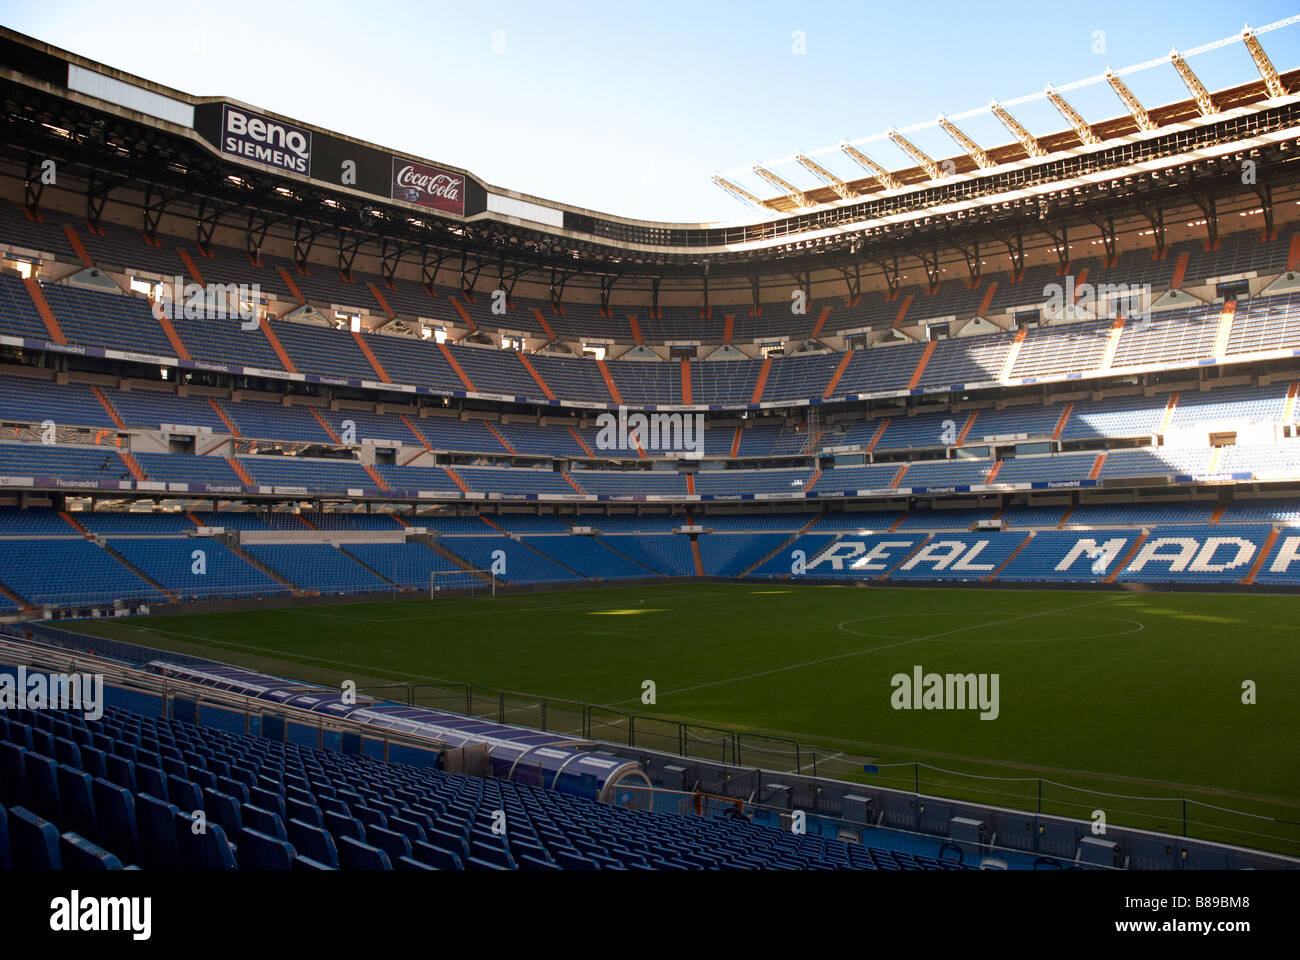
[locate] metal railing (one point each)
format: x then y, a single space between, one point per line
253 710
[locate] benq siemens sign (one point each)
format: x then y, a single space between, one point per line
271 142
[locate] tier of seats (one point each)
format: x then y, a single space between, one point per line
123 791
1180 337
50 559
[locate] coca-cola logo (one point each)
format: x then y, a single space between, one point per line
428 186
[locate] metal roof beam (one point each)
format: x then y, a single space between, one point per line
785 186
741 194
1080 126
842 189
883 176
1266 69
973 149
916 153
1027 139
1204 102
1130 101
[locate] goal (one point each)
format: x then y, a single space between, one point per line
442 582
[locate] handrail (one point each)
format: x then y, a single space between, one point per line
168 688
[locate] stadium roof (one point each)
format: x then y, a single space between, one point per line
1025 147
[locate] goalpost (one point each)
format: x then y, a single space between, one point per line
462 581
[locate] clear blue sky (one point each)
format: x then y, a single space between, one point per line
628 108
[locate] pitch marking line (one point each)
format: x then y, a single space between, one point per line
858 653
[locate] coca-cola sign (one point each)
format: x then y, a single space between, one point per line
428 186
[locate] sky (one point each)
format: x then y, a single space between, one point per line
630 108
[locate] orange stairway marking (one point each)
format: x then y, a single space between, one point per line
1079 281
574 483
1225 329
1180 271
994 472
191 267
456 367
173 336
920 365
902 311
812 480
880 432
230 424
690 484
839 372
686 381
1065 418
1065 518
325 426
240 472
970 422
728 327
1170 407
415 433
532 371
1293 253
43 308
582 443
762 380
464 313
1003 565
898 477
546 327
374 475
1013 353
695 555
497 433
1097 465
379 298
74 523
455 478
132 464
274 341
609 382
1218 512
1288 408
1264 551
78 247
1112 344
293 287
735 443
635 328
108 407
988 299
821 322
370 355
1128 557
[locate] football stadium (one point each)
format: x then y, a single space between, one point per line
935 514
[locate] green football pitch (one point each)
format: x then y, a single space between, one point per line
1121 702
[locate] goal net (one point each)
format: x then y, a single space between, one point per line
443 582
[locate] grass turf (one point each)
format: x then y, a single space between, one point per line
1132 694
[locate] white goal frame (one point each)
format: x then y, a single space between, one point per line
436 588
